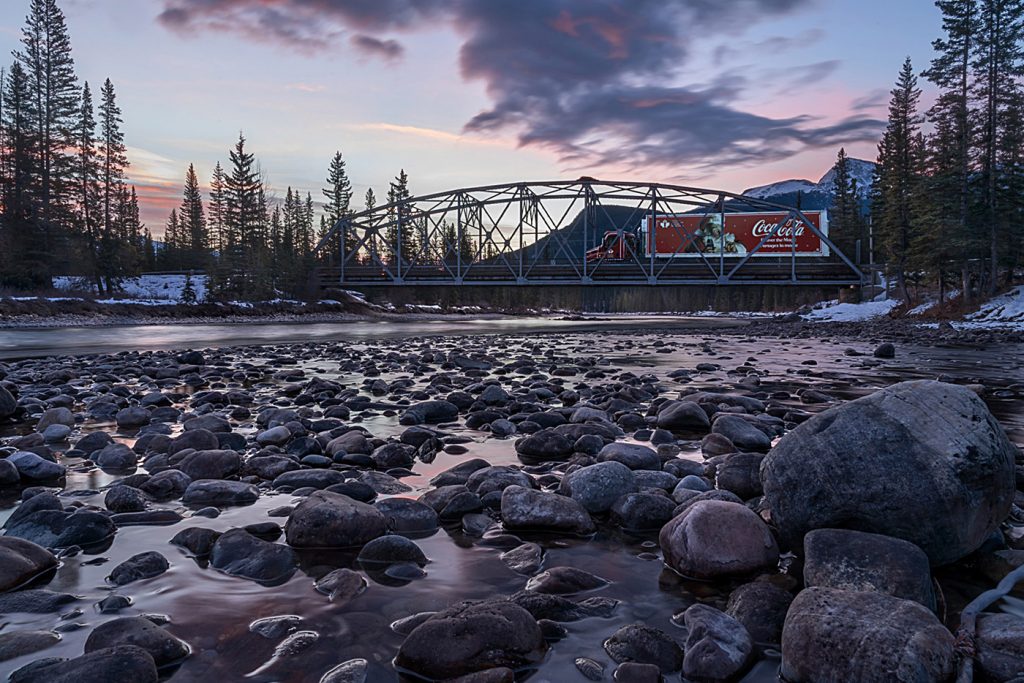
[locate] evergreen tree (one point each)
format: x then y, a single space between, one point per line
997 65
148 251
114 260
243 269
188 291
88 177
950 70
399 222
216 219
897 176
50 70
846 224
24 260
339 198
193 221
171 254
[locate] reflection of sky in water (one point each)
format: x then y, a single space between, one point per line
24 343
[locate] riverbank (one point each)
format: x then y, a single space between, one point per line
258 510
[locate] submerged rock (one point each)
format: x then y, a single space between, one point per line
330 520
523 508
713 538
22 561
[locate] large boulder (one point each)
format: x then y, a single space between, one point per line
429 412
33 467
470 637
922 461
213 464
859 561
22 561
645 645
63 529
1000 643
632 455
715 538
683 416
597 487
837 635
523 508
331 520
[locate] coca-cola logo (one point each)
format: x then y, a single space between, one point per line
763 228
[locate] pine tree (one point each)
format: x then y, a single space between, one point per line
216 219
997 65
171 254
370 201
23 257
950 70
243 269
846 224
188 291
339 199
193 222
53 87
113 164
897 176
399 222
88 177
148 251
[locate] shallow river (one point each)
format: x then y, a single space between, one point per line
212 611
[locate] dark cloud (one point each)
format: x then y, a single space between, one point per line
385 49
596 81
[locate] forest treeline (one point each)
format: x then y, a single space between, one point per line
946 204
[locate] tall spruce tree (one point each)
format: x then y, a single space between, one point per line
400 224
50 70
114 256
997 65
950 70
193 220
88 178
846 224
24 260
339 198
897 175
215 223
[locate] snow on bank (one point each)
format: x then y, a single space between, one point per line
1006 310
833 311
145 289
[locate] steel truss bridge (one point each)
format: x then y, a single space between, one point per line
538 233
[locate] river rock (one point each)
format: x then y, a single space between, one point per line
162 646
922 461
341 585
196 540
524 559
121 663
523 508
131 417
166 485
469 637
123 498
407 516
115 457
137 567
564 581
212 464
8 404
740 473
837 635
642 511
15 644
429 412
391 549
683 416
859 561
352 671
239 553
22 561
713 539
62 529
330 520
633 456
9 475
219 492
197 439
32 467
597 487
741 432
761 607
56 433
545 445
646 645
1000 646
718 648
55 416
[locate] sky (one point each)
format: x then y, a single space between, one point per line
722 94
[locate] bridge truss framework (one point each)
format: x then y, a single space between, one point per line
518 234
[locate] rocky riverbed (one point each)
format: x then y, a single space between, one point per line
707 505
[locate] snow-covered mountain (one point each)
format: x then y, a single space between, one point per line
817 195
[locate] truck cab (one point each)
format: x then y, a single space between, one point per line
616 245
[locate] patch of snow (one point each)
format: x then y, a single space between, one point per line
833 311
1006 310
932 303
167 288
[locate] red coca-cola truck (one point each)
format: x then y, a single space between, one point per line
691 235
